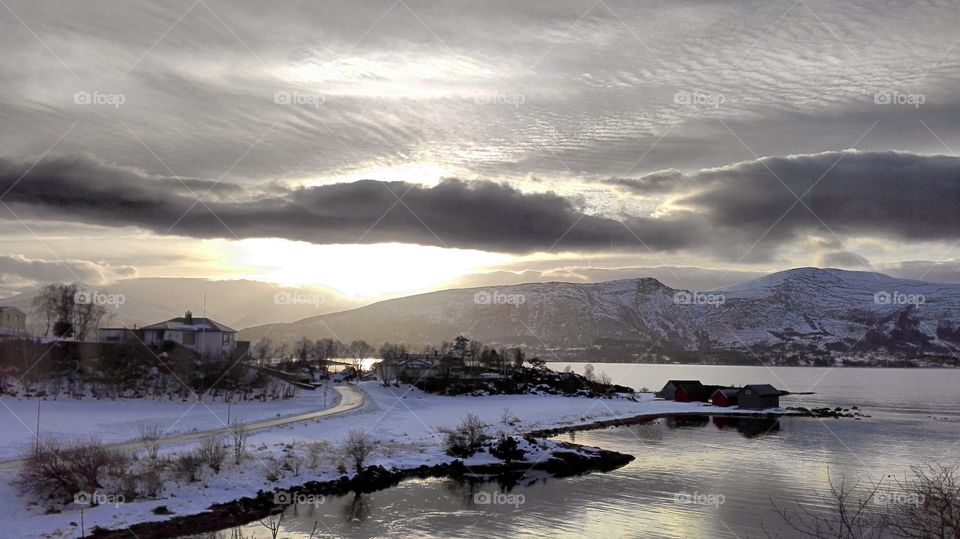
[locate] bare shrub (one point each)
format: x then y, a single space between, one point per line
212 452
187 466
315 452
273 523
924 505
358 447
240 432
465 439
151 483
67 469
150 436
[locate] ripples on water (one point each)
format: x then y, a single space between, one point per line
747 463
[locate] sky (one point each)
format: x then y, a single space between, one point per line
382 148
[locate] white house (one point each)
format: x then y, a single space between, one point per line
202 335
13 321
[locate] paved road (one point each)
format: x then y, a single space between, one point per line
350 399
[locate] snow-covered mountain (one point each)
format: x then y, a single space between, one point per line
802 316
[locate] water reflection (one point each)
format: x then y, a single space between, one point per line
749 427
744 461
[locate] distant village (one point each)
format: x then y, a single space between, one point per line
748 397
460 366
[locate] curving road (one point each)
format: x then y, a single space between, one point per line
350 399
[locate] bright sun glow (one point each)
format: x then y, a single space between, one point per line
362 271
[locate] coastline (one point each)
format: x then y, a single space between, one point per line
566 460
404 422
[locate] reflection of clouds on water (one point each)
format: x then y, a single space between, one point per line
750 461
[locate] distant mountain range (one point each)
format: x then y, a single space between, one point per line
238 303
803 316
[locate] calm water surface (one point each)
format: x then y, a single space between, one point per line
746 465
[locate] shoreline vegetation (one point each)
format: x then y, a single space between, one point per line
561 460
565 460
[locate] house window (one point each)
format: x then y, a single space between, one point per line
189 338
227 338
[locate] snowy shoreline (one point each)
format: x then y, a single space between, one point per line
403 420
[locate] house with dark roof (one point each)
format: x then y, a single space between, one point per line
694 392
758 397
725 396
669 391
204 336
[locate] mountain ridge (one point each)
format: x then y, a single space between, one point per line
797 316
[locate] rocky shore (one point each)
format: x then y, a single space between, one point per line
563 460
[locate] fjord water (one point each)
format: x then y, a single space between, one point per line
736 469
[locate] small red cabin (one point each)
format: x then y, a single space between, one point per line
724 397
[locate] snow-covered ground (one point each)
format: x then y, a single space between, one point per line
403 420
119 420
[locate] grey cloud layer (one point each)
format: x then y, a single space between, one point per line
479 215
721 210
33 270
402 87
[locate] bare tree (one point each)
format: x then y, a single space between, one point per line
240 433
46 303
150 435
358 447
358 351
304 349
588 372
86 319
467 437
262 349
64 315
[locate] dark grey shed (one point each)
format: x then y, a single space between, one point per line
758 397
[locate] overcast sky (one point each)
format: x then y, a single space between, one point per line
575 140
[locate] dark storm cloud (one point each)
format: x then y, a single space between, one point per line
895 195
723 210
478 214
